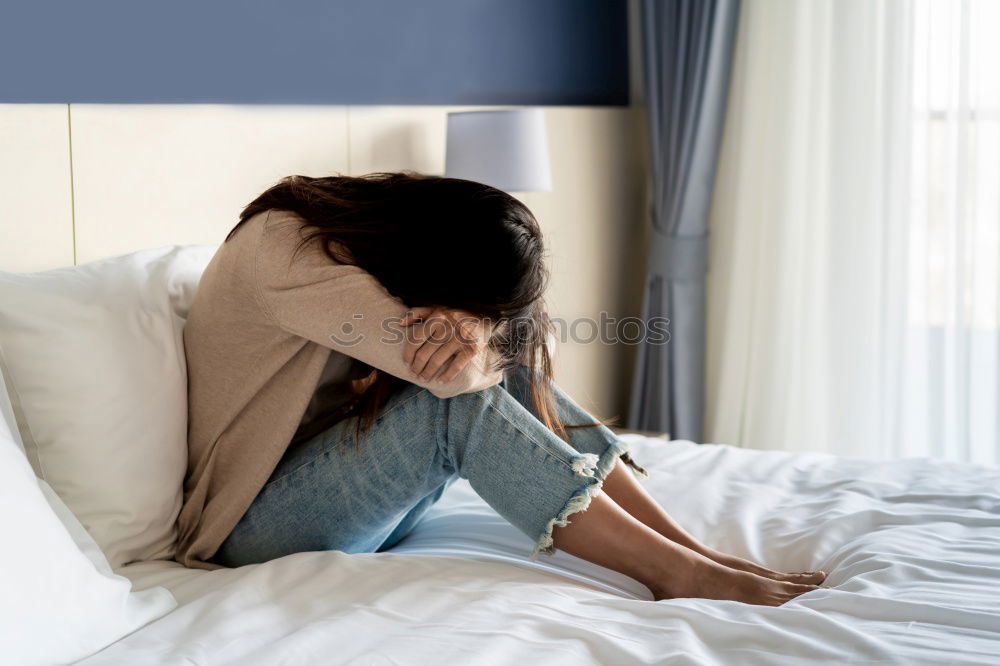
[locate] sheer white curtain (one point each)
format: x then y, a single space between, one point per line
853 279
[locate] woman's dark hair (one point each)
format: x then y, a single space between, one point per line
433 241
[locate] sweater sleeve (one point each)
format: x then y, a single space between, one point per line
342 307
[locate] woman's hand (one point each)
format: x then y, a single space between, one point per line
441 339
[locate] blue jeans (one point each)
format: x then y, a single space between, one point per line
332 492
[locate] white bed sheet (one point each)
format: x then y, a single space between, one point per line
912 547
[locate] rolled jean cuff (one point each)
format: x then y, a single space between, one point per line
594 470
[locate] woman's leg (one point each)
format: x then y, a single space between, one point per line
626 491
608 535
329 494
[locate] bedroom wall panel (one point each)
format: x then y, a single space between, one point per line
36 214
316 52
148 176
390 138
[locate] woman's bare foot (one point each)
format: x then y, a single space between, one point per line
626 492
707 579
739 564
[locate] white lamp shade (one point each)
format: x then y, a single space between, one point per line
507 149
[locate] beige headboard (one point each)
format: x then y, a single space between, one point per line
82 182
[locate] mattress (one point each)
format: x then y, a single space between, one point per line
912 549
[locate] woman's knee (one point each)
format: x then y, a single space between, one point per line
485 415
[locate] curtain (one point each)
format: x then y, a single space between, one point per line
686 55
855 291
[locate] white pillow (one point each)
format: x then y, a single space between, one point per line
60 600
96 374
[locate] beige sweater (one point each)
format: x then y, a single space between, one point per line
267 352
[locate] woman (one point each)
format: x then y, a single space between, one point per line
357 344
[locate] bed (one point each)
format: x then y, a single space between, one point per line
92 435
911 549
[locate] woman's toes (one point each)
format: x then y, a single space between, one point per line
806 577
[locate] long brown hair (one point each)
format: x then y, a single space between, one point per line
440 242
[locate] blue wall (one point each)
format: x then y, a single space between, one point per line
532 52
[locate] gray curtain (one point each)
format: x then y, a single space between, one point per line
687 53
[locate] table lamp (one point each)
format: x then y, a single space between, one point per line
504 149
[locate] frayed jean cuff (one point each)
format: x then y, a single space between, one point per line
594 470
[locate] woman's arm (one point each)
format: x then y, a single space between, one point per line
346 309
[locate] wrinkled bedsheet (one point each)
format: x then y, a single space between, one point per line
912 549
